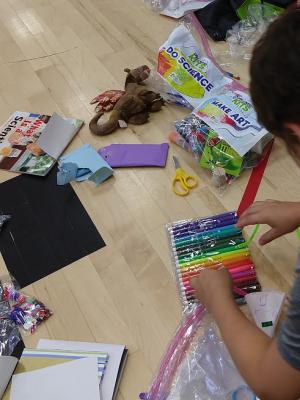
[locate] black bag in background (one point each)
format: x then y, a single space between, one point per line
220 15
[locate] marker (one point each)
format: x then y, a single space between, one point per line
196 239
205 241
215 265
245 281
232 75
185 277
248 275
234 256
221 254
240 275
213 234
240 291
204 222
197 228
198 250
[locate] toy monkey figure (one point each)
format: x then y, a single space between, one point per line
133 107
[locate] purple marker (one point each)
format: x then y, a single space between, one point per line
197 226
189 232
215 234
205 221
218 216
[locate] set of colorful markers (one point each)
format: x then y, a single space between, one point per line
212 242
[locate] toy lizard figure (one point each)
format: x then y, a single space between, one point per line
133 107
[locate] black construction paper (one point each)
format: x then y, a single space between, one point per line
49 228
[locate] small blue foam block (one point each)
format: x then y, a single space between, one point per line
91 166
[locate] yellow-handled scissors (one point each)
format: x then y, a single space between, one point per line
182 183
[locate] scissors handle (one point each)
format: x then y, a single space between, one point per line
190 181
183 182
179 187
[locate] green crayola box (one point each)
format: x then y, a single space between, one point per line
217 153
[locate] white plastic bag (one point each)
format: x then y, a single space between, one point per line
176 8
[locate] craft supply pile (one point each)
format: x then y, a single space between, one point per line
221 138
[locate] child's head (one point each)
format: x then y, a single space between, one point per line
275 79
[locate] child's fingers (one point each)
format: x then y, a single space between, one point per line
269 236
252 218
258 206
247 215
194 282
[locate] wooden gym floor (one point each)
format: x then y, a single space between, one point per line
56 55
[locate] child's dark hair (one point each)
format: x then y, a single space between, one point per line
275 75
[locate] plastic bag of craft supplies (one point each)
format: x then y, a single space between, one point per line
244 34
187 66
223 134
197 365
222 131
16 308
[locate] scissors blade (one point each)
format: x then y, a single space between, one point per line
176 162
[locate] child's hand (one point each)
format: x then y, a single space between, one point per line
282 217
213 287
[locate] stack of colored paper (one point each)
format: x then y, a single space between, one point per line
53 370
65 355
212 242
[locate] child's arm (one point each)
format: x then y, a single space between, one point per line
283 217
254 353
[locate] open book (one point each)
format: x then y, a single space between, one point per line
31 143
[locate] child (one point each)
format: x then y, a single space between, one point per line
271 367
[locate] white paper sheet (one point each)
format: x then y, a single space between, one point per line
265 308
115 352
74 380
7 367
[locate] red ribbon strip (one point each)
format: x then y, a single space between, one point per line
255 180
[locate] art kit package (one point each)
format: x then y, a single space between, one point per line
187 68
222 132
231 113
